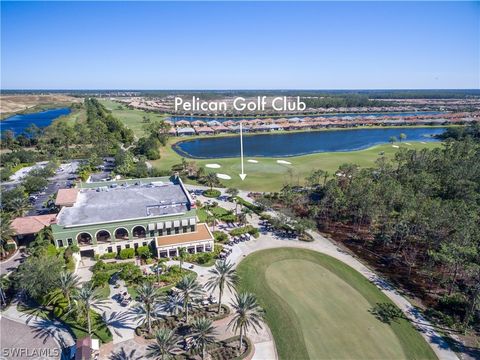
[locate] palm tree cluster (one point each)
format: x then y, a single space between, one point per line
248 315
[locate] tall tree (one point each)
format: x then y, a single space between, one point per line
68 284
87 298
247 315
222 274
148 298
189 290
165 345
203 334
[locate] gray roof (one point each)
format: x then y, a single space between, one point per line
124 203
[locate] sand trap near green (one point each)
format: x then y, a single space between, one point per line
318 308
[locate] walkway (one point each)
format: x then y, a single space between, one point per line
12 263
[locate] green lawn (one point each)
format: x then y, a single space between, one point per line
317 307
132 118
268 175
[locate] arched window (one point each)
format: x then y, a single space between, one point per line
84 239
139 231
103 236
121 234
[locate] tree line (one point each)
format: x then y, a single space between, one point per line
417 215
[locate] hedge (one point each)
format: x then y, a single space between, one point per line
127 253
213 193
246 229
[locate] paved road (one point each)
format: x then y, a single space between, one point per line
20 341
13 262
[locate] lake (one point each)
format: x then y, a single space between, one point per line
18 123
299 143
353 115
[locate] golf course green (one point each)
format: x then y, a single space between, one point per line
319 308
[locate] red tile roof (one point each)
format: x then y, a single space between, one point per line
32 224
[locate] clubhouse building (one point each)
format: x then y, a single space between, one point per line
108 216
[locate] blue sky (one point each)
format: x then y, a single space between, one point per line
216 45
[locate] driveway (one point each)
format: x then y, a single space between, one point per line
11 264
20 341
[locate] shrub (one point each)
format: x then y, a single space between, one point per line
220 236
75 248
51 250
106 256
144 252
256 209
130 273
127 253
246 229
101 278
213 193
10 247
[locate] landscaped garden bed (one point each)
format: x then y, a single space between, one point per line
211 193
177 322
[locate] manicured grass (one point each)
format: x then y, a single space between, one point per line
202 215
78 331
268 175
132 118
318 307
219 211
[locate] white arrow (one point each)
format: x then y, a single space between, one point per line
242 175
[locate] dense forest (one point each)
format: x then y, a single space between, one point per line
415 218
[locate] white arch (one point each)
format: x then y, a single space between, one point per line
120 227
144 229
84 232
96 234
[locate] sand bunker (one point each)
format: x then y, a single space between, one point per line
408 144
422 142
224 176
213 166
395 146
284 162
253 161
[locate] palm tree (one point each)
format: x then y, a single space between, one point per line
203 334
6 231
21 206
4 285
223 274
211 180
243 215
247 314
182 254
68 284
148 297
172 304
189 289
165 344
86 299
212 218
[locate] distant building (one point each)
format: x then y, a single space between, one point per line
114 215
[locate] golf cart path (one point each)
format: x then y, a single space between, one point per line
264 342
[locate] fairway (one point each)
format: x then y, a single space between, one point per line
266 174
132 118
269 175
318 308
